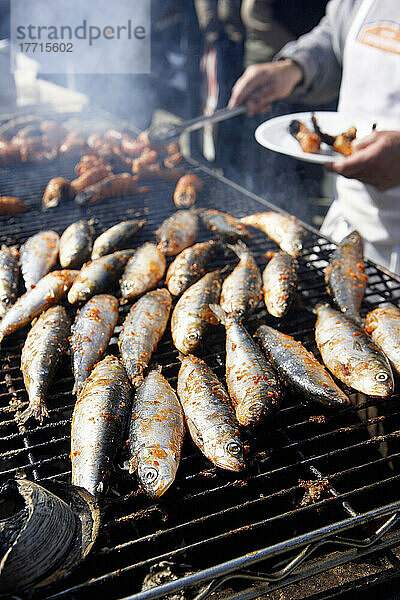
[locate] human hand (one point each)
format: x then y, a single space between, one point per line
262 84
375 160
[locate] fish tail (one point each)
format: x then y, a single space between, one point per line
239 248
36 409
218 312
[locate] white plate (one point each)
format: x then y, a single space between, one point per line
274 134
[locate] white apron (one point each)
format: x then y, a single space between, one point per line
370 88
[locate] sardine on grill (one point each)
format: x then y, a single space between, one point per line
98 424
156 434
177 232
192 316
383 325
91 333
44 347
38 255
285 230
223 225
98 275
299 368
241 290
117 237
209 414
48 291
9 275
279 283
351 355
142 330
45 531
76 244
253 385
189 266
143 272
345 276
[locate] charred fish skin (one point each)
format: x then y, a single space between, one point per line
177 232
300 369
9 275
189 266
279 283
223 225
242 289
44 347
118 237
143 272
192 316
285 230
38 255
253 385
383 325
345 276
209 414
351 355
141 332
156 434
91 334
75 244
98 424
48 291
98 275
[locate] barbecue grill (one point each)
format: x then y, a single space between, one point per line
320 488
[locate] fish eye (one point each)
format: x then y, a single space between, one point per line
234 448
382 376
193 335
149 475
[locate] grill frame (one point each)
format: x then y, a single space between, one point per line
293 551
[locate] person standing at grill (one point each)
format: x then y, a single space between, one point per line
354 52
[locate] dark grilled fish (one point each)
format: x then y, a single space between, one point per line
49 290
91 333
351 355
186 190
117 237
241 290
98 424
345 276
285 230
299 368
192 316
9 274
143 272
209 414
58 190
98 275
383 325
76 244
189 266
38 255
142 330
253 385
177 232
223 225
45 344
156 434
279 283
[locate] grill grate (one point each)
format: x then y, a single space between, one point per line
209 516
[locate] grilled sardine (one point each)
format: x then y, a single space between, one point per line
45 344
143 272
209 414
383 325
91 333
142 330
351 355
76 244
9 274
177 232
38 255
98 424
156 434
283 229
223 225
279 283
117 237
189 266
241 290
299 368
